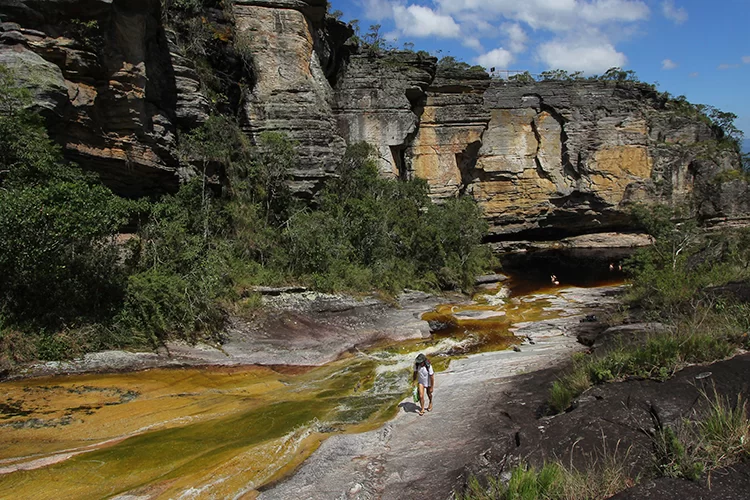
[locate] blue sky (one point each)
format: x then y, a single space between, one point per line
696 48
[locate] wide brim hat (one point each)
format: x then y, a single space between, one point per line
421 358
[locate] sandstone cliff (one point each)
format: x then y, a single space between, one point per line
102 73
545 160
552 159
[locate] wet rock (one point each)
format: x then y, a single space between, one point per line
481 399
490 279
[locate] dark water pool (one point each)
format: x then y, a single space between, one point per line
532 271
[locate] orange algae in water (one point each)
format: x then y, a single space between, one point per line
224 431
214 432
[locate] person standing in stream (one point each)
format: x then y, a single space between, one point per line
424 375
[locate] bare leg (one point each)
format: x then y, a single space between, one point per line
429 394
421 399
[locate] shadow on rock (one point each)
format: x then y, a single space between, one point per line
409 407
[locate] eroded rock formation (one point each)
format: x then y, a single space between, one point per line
102 72
545 160
379 99
292 93
554 159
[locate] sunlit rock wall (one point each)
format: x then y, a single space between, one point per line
292 93
452 124
379 99
553 159
544 160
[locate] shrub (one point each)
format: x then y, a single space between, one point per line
388 227
671 458
606 475
57 260
182 265
723 431
560 396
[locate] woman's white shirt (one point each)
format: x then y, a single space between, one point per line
423 375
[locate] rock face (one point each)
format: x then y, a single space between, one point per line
379 99
545 160
554 159
291 93
101 70
453 123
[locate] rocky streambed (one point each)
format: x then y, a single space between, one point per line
318 410
415 456
228 428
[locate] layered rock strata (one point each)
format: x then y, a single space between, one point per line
554 159
453 122
292 93
101 71
545 160
379 100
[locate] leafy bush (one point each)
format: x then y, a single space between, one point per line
181 268
57 260
197 252
668 276
385 233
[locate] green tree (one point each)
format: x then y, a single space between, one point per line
181 268
524 77
58 264
618 74
385 233
561 75
374 41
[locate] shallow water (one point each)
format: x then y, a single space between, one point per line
220 432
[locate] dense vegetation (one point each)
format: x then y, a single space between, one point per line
67 285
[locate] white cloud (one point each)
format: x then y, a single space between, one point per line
727 66
591 56
746 59
498 58
522 23
472 43
421 22
695 74
555 15
517 38
677 15
668 64
601 11
377 9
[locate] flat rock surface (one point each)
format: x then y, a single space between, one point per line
413 456
307 328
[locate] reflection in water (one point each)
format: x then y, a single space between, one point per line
220 432
531 271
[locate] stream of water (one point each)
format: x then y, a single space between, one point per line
222 432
